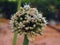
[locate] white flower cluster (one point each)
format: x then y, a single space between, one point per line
28 21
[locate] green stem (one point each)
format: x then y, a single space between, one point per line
15 33
26 41
15 38
19 4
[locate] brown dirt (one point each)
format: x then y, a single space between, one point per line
51 35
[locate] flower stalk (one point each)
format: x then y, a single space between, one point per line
25 41
15 33
14 38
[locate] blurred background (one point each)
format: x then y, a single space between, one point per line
50 10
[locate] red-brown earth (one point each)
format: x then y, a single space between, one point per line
51 35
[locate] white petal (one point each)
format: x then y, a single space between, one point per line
39 15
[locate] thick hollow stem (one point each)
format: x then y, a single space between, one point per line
14 38
19 4
26 41
15 33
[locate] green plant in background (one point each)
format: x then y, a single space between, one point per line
12 0
15 33
42 5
